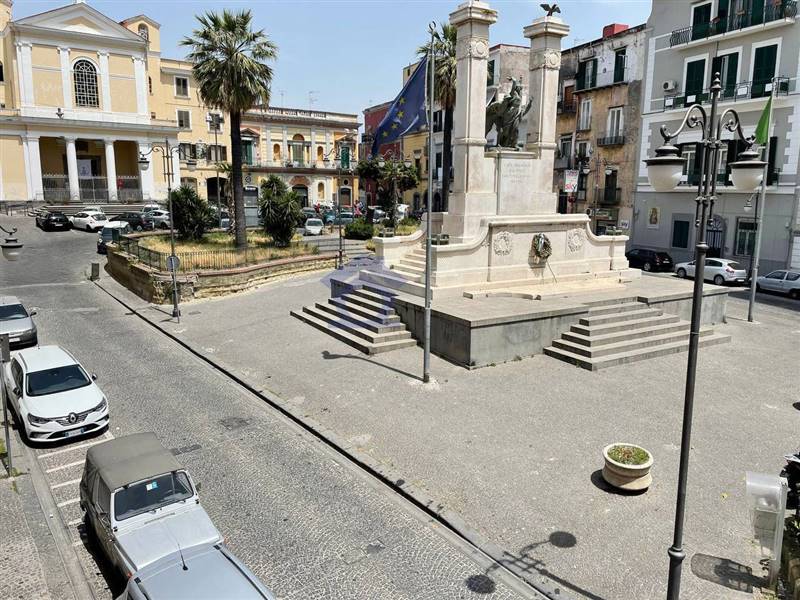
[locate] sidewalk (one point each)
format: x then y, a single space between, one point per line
515 450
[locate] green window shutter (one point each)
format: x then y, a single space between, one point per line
619 65
695 74
680 234
763 69
581 78
772 176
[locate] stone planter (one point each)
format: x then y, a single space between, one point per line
632 478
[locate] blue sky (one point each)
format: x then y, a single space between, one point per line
350 53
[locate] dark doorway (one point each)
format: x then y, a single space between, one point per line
302 194
715 237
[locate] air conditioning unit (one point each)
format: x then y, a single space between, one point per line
670 85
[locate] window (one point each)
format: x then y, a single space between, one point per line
276 153
144 31
620 60
587 74
187 151
792 276
565 146
764 61
217 153
321 191
84 76
490 73
701 19
1 72
585 116
727 66
614 122
695 79
691 169
57 380
745 241
776 275
151 494
214 121
190 182
184 119
582 150
438 166
437 121
680 234
182 87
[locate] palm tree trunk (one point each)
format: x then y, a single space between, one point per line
447 155
236 179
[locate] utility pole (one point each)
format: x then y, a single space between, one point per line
426 354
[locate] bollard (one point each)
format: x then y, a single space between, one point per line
95 271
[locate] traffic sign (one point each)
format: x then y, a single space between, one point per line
173 263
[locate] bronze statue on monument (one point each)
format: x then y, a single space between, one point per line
506 116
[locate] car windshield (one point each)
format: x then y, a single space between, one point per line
12 311
151 494
314 223
736 266
99 217
53 381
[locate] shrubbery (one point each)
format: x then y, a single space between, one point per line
190 213
359 230
280 209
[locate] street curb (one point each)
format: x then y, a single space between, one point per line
450 520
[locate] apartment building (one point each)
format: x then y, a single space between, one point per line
754 46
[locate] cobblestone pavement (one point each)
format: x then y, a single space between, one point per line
308 522
516 449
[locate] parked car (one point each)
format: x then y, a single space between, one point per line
344 218
93 208
137 221
209 571
718 270
17 323
329 216
159 218
150 207
649 260
89 220
107 234
313 227
53 395
785 282
52 220
141 504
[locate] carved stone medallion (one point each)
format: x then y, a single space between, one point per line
479 48
545 59
502 243
575 239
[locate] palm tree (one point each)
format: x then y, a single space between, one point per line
444 48
229 64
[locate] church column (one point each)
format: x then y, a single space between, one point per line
34 167
72 170
105 81
66 80
472 193
142 87
25 70
111 170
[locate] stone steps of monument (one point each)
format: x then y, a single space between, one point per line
393 281
413 261
592 330
373 296
412 273
380 318
377 289
376 306
610 309
630 356
357 330
626 334
347 336
418 253
369 323
597 350
639 312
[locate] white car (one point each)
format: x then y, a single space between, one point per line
313 227
785 282
90 220
718 270
53 396
159 217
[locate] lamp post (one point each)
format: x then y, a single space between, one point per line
337 156
12 248
664 172
586 169
167 154
394 165
214 121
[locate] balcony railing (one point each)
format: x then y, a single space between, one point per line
786 9
611 140
299 164
609 196
746 90
564 107
561 163
609 77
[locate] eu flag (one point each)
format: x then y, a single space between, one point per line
407 113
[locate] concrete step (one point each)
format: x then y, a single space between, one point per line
410 272
374 297
608 301
380 318
378 307
359 320
352 340
353 329
626 345
626 334
617 317
392 281
592 330
630 356
414 262
610 309
378 289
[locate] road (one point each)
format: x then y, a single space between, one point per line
307 521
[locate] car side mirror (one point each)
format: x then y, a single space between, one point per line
94 376
33 312
198 486
16 391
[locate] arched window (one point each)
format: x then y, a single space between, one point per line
85 77
276 153
144 31
320 154
321 191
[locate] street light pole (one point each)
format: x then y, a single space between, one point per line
426 346
664 172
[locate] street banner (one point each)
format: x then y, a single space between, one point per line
571 181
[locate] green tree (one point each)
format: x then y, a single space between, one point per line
229 62
394 176
190 213
279 207
444 49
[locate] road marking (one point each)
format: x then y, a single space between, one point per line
70 449
66 466
68 502
65 484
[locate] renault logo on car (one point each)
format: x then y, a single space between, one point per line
72 417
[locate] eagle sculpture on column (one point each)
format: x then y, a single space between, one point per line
550 9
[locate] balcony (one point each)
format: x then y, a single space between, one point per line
611 140
567 108
608 196
746 90
772 13
561 163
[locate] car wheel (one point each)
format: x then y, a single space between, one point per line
794 294
138 228
758 288
719 280
647 267
163 226
681 273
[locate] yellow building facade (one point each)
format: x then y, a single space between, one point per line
82 97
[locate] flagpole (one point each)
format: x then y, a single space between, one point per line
760 211
426 355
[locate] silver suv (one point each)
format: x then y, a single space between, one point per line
17 323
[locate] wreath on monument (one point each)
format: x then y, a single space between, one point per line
541 246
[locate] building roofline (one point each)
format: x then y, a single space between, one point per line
501 45
594 42
143 18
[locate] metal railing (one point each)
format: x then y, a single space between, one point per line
564 107
745 90
611 140
55 187
609 196
786 9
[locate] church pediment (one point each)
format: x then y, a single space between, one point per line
77 18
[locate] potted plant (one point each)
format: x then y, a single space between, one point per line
627 466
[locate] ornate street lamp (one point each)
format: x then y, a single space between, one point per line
12 247
664 172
